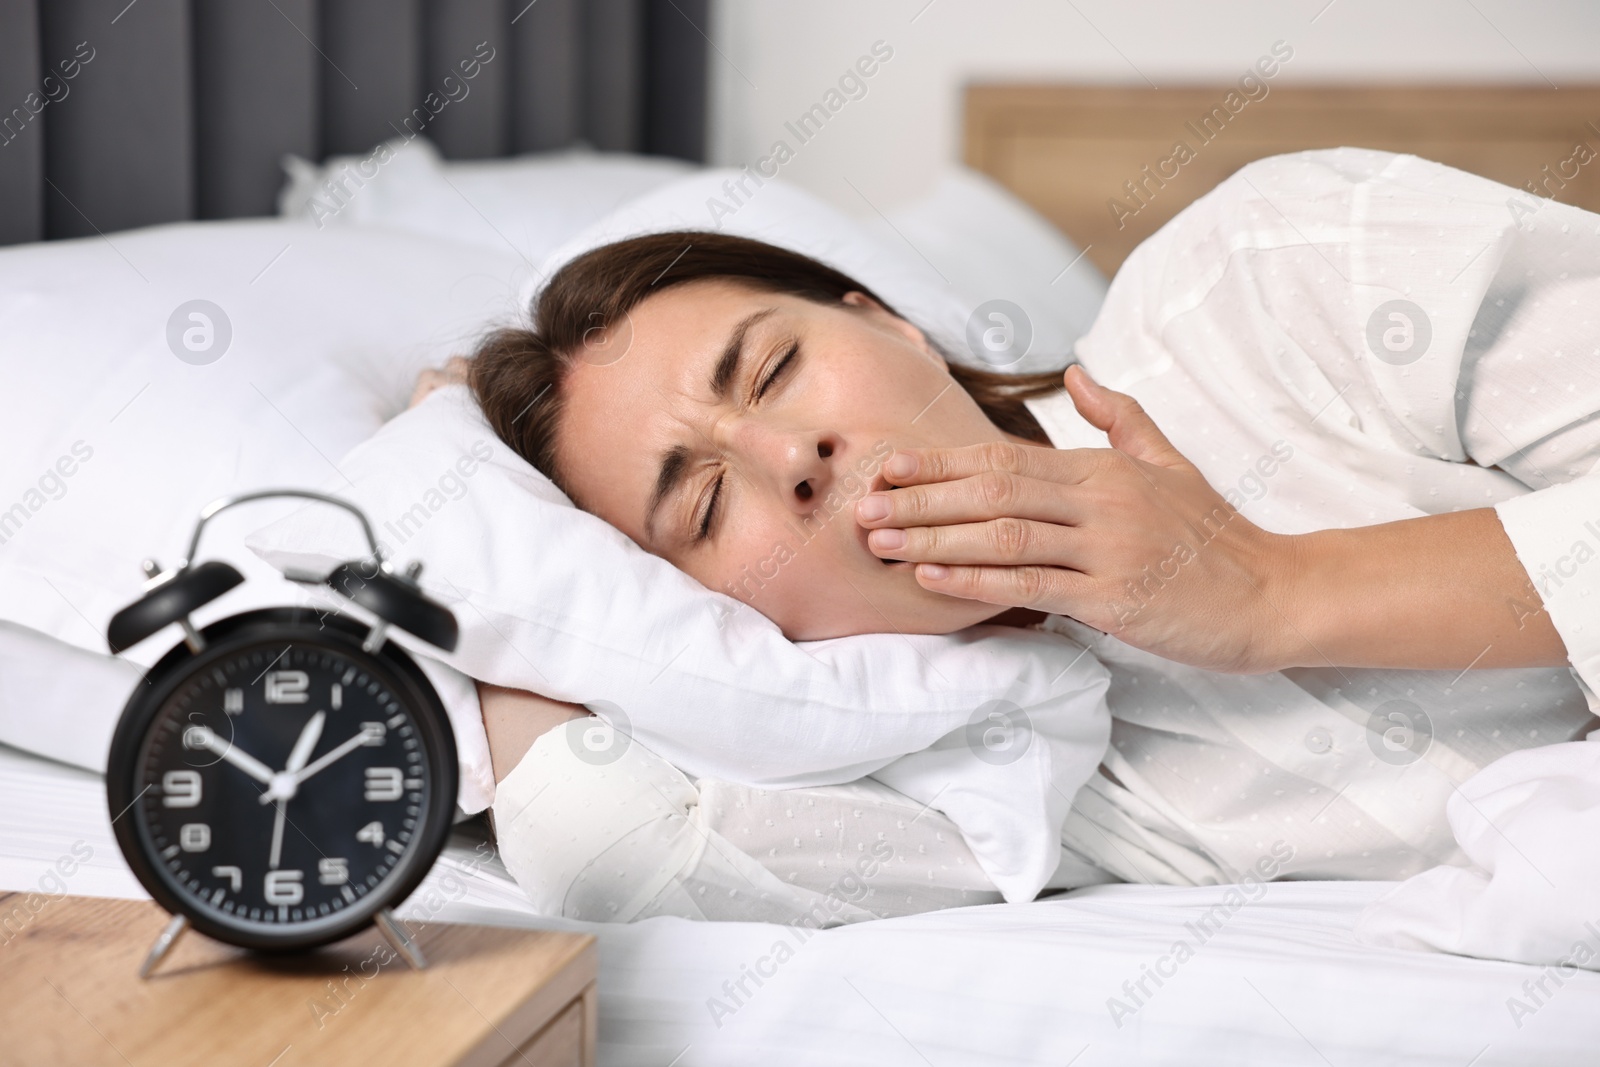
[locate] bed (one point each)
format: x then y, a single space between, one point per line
1109 974
1277 980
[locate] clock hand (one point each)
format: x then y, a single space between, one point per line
321 762
280 786
328 757
309 735
306 742
277 837
241 759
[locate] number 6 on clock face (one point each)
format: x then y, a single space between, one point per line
283 887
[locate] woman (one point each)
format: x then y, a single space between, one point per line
707 395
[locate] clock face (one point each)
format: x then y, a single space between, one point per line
284 785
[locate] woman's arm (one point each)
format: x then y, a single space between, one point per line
1439 591
514 720
1133 541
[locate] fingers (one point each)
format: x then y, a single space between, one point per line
919 466
452 373
1005 541
1129 428
1051 589
986 495
1126 424
427 382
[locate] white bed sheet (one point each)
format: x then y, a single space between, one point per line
1280 980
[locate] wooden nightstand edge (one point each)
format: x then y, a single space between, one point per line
573 980
591 1025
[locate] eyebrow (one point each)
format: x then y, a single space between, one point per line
674 466
727 368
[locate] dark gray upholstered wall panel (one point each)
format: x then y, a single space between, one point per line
547 77
187 106
119 152
24 98
613 75
371 71
255 78
473 101
675 92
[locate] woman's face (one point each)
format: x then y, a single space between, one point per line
731 432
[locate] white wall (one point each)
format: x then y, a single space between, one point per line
773 59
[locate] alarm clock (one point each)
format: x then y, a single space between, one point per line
284 777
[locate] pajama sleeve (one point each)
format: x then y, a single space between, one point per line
1528 401
618 834
622 836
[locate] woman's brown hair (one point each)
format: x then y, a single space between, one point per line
517 373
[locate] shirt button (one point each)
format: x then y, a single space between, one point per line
1319 740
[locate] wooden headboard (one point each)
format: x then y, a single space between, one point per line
1071 151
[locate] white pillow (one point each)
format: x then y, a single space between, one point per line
59 700
529 204
968 235
990 246
112 444
554 600
785 215
938 260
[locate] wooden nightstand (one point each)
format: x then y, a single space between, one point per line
69 994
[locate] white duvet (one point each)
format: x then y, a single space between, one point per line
1531 825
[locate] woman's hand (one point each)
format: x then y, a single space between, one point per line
453 372
1130 540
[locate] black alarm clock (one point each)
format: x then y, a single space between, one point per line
286 776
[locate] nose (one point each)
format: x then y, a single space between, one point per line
798 464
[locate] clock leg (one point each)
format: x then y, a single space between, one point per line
375 636
169 937
191 636
397 936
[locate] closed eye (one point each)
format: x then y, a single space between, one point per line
711 511
778 368
709 516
